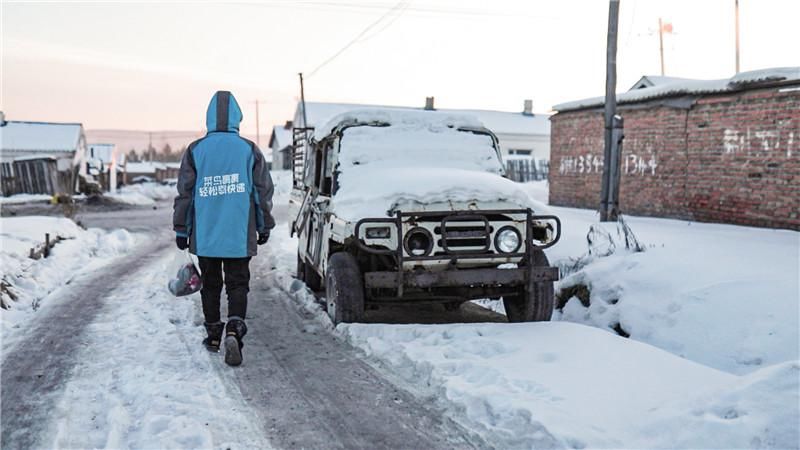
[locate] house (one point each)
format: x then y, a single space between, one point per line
151 171
723 150
524 137
167 171
137 172
281 142
41 157
106 164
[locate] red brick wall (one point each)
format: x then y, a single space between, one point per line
731 158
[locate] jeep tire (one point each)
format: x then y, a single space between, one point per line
301 268
535 306
307 274
344 289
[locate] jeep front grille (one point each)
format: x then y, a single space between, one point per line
460 234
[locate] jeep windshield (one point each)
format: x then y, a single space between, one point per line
433 145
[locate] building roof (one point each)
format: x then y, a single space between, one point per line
40 136
144 167
103 152
499 122
655 80
682 87
281 137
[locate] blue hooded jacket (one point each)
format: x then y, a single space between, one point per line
224 188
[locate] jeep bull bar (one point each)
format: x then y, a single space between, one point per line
449 233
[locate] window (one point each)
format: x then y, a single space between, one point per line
522 152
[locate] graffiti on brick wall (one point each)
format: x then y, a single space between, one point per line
640 165
632 164
740 141
581 164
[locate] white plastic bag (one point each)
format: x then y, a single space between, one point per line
187 279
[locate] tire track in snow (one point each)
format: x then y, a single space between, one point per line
312 390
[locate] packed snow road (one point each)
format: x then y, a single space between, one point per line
710 361
115 362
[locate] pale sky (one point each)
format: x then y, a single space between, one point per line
154 66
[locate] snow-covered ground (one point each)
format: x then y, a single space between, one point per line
25 198
155 386
143 194
711 362
26 282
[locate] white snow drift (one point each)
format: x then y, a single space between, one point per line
29 281
143 194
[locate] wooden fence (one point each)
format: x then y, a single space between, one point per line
523 170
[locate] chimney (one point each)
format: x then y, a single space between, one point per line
2 119
527 109
429 104
288 125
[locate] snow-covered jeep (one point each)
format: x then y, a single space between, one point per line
405 206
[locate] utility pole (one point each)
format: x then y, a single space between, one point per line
736 7
609 193
258 124
661 44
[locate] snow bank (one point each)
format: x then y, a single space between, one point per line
144 381
722 295
27 282
25 198
143 194
560 384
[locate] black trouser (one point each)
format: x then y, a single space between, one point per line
237 285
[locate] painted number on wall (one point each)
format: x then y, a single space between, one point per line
632 164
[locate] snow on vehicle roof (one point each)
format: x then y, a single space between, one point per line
407 120
502 122
678 86
40 136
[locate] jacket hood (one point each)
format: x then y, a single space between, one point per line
223 113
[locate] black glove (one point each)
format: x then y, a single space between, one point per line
182 242
263 238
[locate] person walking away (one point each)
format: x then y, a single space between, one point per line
222 212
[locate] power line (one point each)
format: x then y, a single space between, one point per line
355 39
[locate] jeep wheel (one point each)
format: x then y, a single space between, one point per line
301 268
344 289
536 306
312 278
307 274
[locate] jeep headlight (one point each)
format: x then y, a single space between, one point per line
378 232
507 240
418 242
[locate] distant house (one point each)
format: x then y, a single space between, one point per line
281 142
140 171
167 171
137 172
106 164
41 157
524 136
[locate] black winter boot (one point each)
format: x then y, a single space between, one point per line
214 331
234 332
